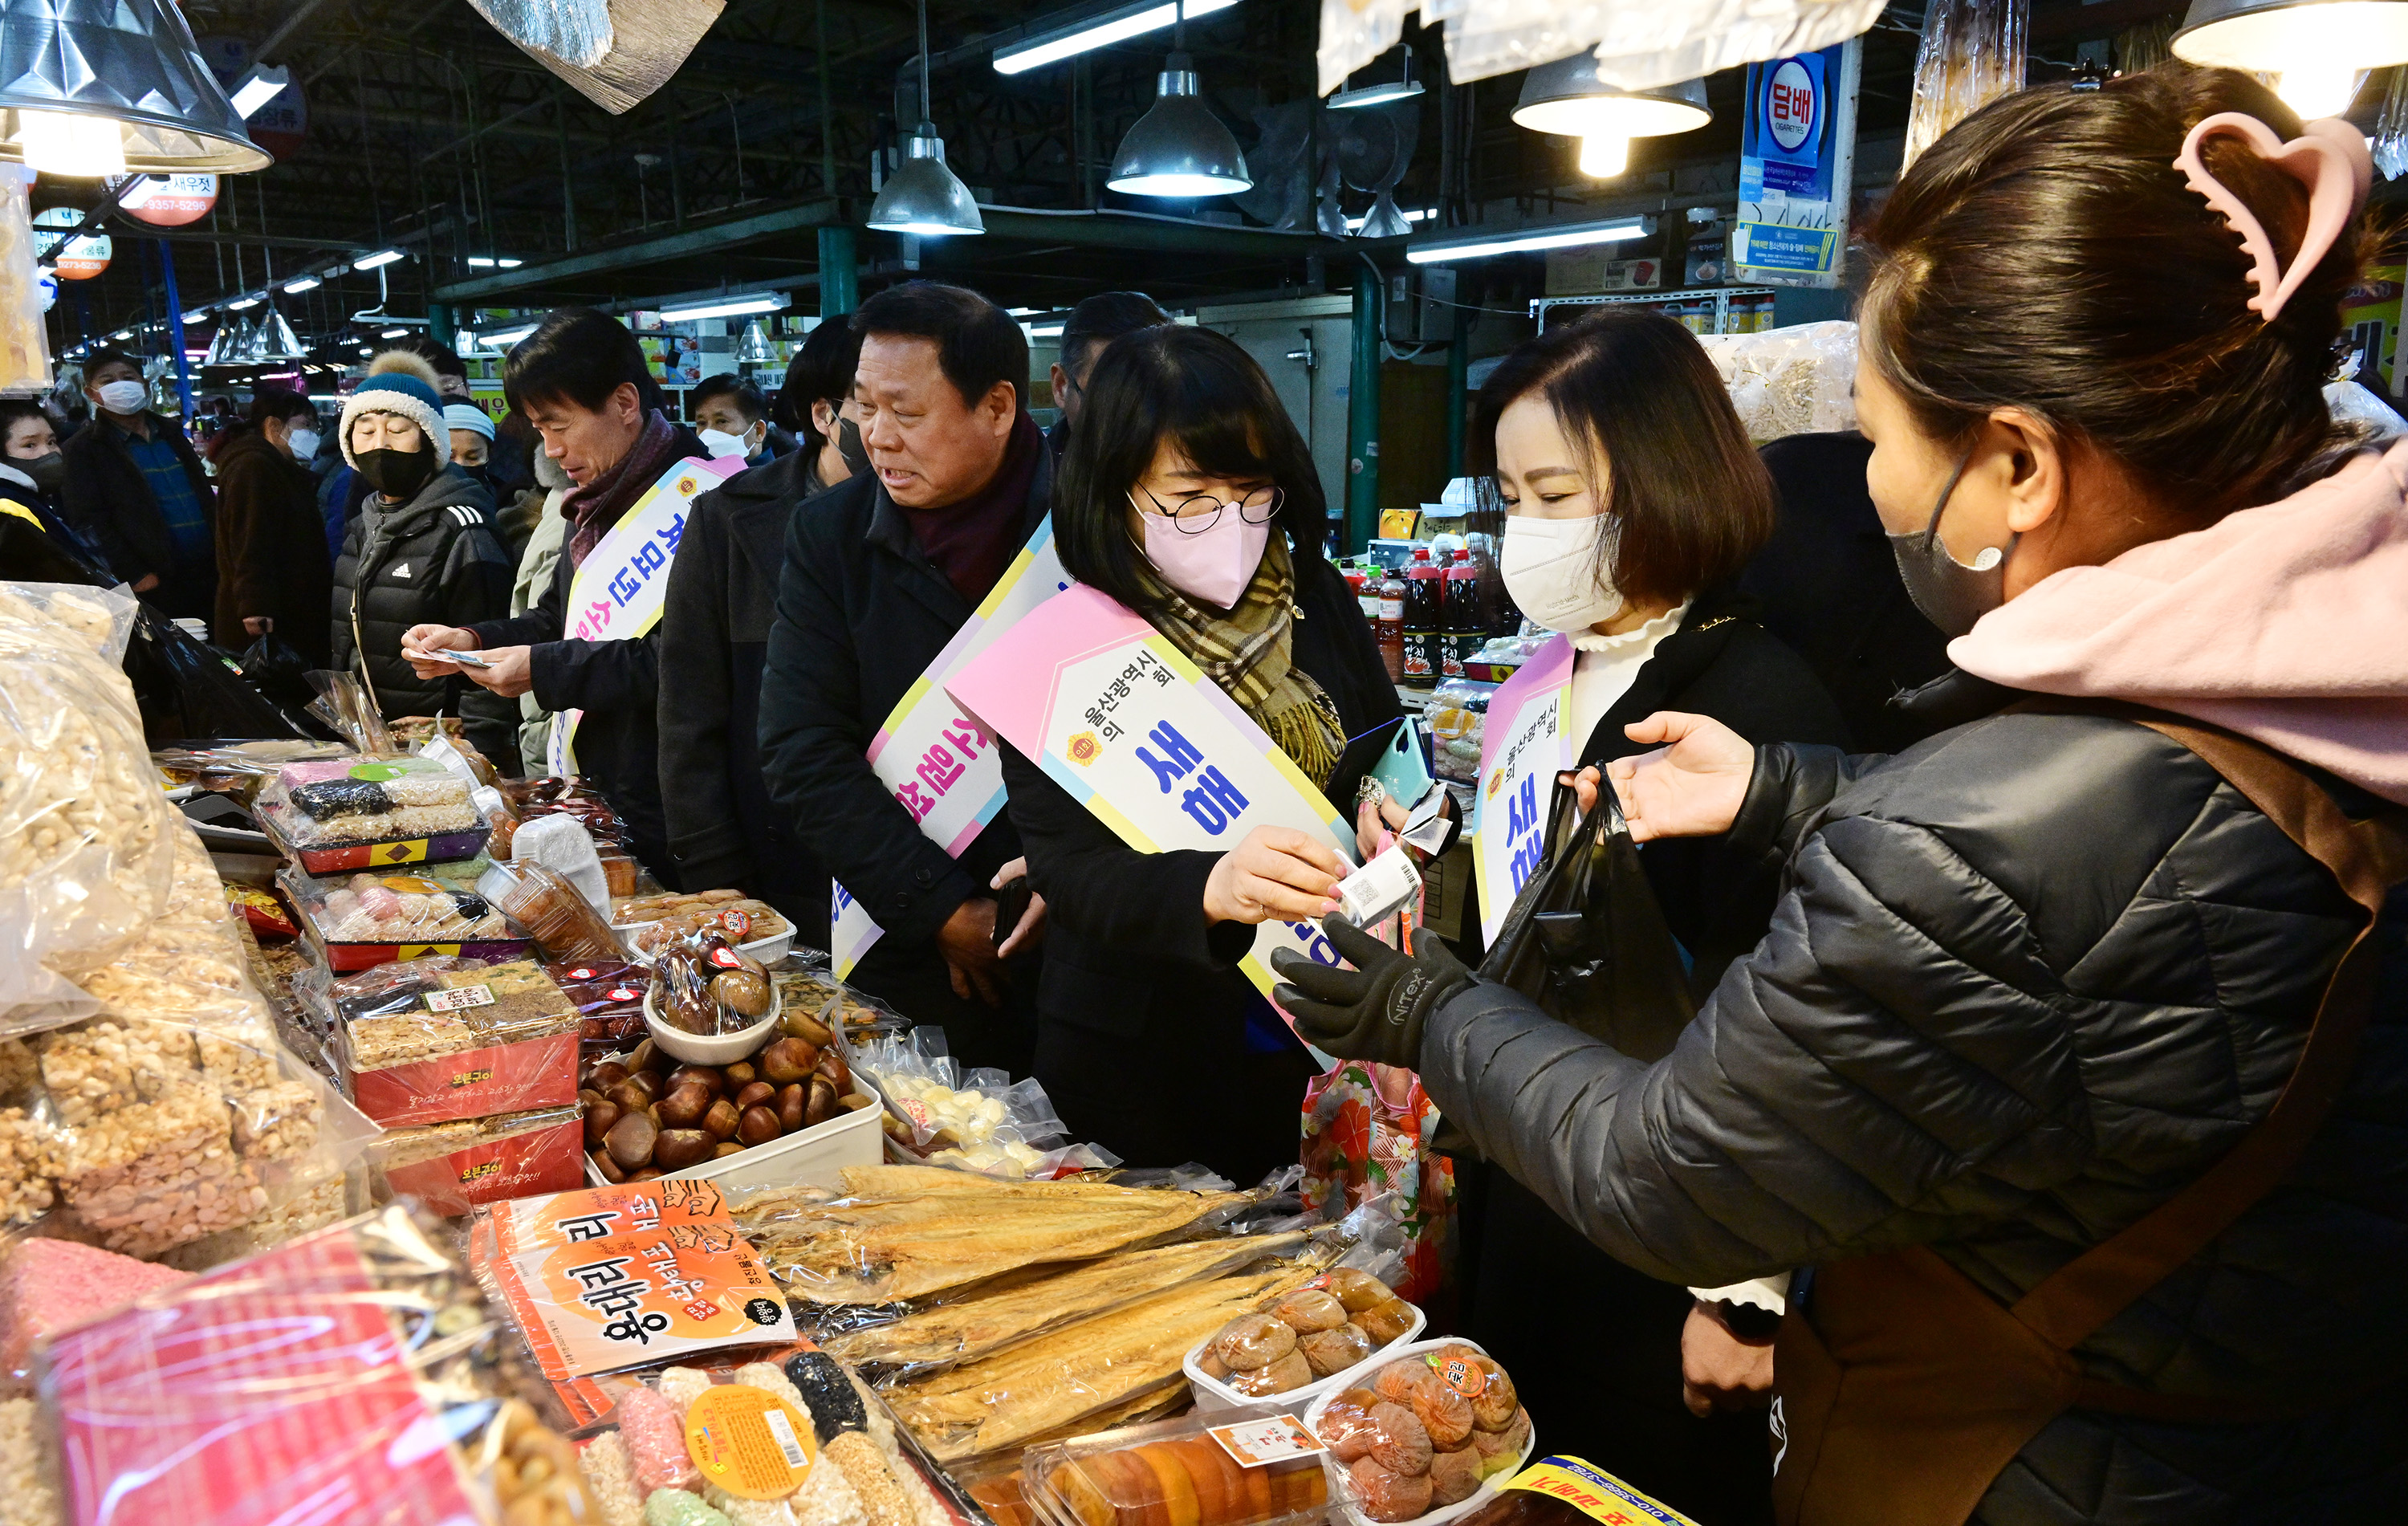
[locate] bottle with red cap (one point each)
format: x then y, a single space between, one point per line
1459 613
1424 597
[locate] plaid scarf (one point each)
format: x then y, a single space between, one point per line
591 510
1248 652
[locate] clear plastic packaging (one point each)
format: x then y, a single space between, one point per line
86 837
390 1385
452 1167
24 334
380 913
1972 53
1458 718
530 799
608 996
1354 33
564 925
563 845
2389 140
651 923
804 985
1303 1342
1130 1476
1643 47
981 1121
1425 1437
358 812
347 708
1793 381
1486 37
433 1039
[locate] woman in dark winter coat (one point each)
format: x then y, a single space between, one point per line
1150 1040
2001 1077
423 549
272 569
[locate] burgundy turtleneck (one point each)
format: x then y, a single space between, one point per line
972 541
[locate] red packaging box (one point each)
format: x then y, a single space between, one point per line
471 1084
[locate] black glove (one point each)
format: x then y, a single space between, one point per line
1377 1009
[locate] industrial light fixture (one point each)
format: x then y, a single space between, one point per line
260 86
730 307
232 346
1419 214
1566 97
392 333
241 302
380 258
480 262
509 263
274 340
102 87
923 196
1178 147
122 334
2315 51
196 316
1379 94
754 348
501 339
490 262
303 283
1562 235
1093 31
1045 331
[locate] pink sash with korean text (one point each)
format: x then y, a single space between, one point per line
1119 716
617 592
930 755
1522 749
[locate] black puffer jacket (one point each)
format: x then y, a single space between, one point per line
435 559
2027 980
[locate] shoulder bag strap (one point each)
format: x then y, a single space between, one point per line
2368 857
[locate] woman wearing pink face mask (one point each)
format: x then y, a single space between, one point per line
1187 494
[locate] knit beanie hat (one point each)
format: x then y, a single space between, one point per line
468 416
399 382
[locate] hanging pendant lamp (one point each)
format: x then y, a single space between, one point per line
2317 52
107 87
753 348
1567 98
923 196
277 341
1178 147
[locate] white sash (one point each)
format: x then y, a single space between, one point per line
1523 747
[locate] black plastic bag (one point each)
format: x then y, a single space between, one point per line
188 691
276 668
1587 942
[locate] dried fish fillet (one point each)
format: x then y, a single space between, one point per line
1095 1364
969 1327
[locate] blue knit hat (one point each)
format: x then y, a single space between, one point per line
399 382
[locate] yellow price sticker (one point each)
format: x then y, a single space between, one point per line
749 1442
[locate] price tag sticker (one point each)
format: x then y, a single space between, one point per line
460 998
749 1442
1256 1444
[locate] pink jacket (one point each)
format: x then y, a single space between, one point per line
2286 623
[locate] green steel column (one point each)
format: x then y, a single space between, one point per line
439 325
839 273
1458 400
1363 416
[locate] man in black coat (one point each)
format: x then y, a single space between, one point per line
880 574
1093 324
132 484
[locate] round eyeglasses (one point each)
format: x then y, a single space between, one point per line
1196 516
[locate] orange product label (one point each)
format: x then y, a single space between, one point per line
1595 1492
749 1442
1463 1374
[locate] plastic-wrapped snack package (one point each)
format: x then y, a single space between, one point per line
459 1041
352 813
1790 380
451 1167
385 1349
981 1122
1128 1477
24 338
1972 53
608 997
29 1487
363 919
86 850
48 1285
1642 47
564 925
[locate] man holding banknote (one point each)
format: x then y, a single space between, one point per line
888 577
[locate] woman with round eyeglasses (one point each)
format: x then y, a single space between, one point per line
1187 494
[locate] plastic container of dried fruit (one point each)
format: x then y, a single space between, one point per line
1343 1511
1213 1396
812 1156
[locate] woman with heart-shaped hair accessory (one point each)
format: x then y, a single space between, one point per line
2070 1087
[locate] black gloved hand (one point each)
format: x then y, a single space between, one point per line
1377 1009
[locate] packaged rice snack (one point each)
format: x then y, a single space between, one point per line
362 813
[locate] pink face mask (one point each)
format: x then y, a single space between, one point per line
1213 564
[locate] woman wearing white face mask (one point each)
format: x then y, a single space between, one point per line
1187 494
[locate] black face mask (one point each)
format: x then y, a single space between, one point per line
45 470
398 474
849 445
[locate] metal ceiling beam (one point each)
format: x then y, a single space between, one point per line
714 239
1149 232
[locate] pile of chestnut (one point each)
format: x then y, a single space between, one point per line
647 1115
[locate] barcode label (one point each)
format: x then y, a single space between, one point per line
782 1431
463 995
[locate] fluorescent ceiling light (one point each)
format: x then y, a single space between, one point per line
509 263
1026 312
1379 94
381 257
262 85
502 338
70 143
1101 32
241 302
392 333
1045 331
1419 214
197 316
480 262
731 307
1445 252
303 283
122 334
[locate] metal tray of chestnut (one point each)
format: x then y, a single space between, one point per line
649 1114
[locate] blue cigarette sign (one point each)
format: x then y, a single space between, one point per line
1791 209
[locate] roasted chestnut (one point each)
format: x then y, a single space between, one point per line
608 1167
725 1148
605 1075
790 1107
796 1023
787 1061
758 1126
855 1102
703 1075
739 1075
684 1107
720 1122
754 1095
831 1064
630 1097
743 992
630 1140
650 1173
678 1148
651 1056
819 1106
600 1115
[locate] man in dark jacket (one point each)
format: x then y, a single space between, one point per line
423 548
132 483
579 378
1093 324
273 574
880 574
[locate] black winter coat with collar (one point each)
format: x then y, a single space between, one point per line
271 547
103 492
2026 980
433 560
861 614
715 640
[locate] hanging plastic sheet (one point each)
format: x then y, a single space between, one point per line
2390 142
1642 47
1485 37
1354 33
1972 54
25 340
